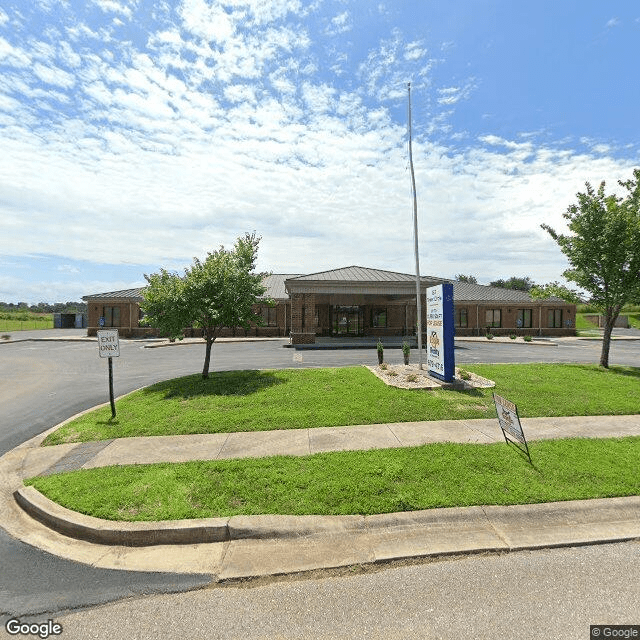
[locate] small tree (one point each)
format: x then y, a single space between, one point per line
215 293
603 250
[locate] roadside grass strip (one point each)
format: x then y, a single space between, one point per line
354 482
231 401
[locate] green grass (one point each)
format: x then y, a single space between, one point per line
354 482
24 321
300 398
582 324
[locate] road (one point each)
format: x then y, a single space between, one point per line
46 382
555 594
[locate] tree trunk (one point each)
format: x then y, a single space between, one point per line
610 318
207 358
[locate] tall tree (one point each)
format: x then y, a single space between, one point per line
514 282
603 250
554 290
463 278
217 292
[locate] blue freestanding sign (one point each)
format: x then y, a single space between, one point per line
440 345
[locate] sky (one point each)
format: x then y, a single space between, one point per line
136 134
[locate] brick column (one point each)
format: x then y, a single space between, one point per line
303 332
296 312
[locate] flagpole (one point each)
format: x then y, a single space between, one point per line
415 237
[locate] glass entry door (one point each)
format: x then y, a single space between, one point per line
347 321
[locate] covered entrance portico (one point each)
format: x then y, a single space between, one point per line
352 302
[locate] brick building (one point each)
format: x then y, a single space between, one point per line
359 301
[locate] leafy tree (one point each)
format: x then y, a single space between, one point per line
603 250
470 279
215 293
521 284
554 289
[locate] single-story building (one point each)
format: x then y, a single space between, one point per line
360 301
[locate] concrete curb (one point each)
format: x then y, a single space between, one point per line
537 342
516 527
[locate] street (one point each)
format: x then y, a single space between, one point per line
47 382
555 593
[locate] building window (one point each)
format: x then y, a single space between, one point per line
269 316
379 318
555 318
461 318
524 319
111 316
493 318
304 313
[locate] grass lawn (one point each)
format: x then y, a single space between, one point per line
24 321
634 320
354 482
582 324
301 398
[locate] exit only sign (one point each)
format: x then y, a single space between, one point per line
108 343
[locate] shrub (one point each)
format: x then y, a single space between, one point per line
513 336
412 377
527 338
383 366
393 373
6 336
406 349
489 336
465 375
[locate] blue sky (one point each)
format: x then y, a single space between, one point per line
136 134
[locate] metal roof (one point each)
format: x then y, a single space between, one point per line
466 292
131 294
362 274
273 282
275 285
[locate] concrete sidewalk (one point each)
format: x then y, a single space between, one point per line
252 546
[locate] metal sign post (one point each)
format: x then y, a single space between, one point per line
109 347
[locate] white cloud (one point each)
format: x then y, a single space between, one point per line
613 22
111 6
54 75
339 24
215 128
210 22
12 55
415 51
